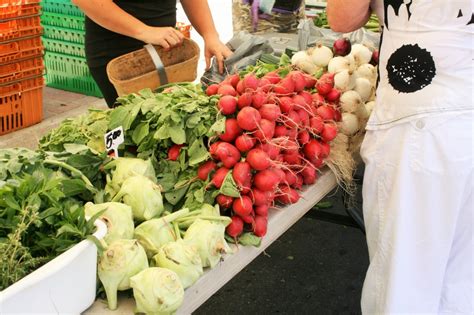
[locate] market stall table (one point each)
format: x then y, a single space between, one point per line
280 220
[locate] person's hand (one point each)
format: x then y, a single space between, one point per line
166 37
213 47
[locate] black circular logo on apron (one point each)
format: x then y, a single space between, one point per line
410 69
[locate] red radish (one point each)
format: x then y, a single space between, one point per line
281 174
236 227
308 97
288 195
329 132
226 89
271 149
212 89
375 58
233 79
219 176
316 123
309 175
205 168
280 89
337 115
288 84
279 158
270 111
250 82
290 178
303 137
173 152
272 77
258 99
310 81
318 99
325 83
299 182
299 101
232 130
341 47
240 87
290 145
292 158
245 142
333 95
228 154
265 85
312 150
244 100
292 133
292 119
224 201
326 112
262 210
286 104
265 130
280 131
249 219
213 149
242 175
242 206
317 163
259 197
298 80
325 149
248 118
266 180
227 105
304 117
260 228
258 159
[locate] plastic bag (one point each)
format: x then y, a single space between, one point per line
247 49
309 35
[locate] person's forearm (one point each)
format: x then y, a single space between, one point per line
347 15
110 16
199 15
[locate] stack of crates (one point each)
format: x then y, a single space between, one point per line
21 65
63 39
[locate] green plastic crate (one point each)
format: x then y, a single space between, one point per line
62 47
61 6
61 20
69 73
64 34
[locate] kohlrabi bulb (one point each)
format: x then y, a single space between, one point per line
157 291
182 258
118 218
122 260
143 195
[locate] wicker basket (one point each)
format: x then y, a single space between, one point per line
135 71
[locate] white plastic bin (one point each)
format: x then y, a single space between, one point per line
65 285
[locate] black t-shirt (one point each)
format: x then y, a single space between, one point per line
103 45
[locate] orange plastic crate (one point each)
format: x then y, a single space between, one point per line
22 69
14 11
21 27
21 106
20 49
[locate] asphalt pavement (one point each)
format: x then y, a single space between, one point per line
316 267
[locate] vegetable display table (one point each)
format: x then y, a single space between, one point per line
279 221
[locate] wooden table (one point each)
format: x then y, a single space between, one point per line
279 221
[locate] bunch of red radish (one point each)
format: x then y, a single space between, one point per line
277 135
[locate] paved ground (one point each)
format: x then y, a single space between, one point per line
316 267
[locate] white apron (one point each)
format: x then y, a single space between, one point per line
418 151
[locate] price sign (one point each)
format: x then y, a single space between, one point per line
113 139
